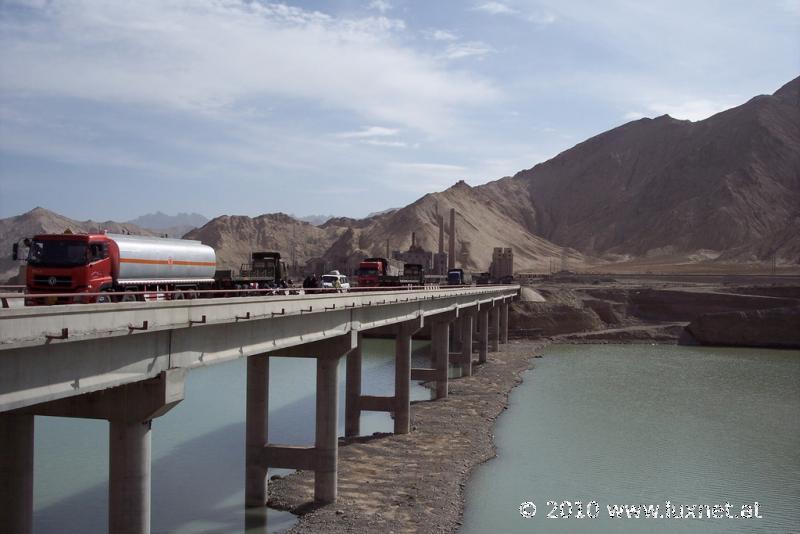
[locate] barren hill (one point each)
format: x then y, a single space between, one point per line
42 221
730 183
234 237
482 223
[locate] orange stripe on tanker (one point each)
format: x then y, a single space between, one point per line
168 262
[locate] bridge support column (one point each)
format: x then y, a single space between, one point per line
129 476
494 318
483 334
504 323
326 444
352 410
402 375
441 355
324 456
16 473
130 409
256 431
466 344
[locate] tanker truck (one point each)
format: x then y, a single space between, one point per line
113 264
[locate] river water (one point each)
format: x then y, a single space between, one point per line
197 447
641 425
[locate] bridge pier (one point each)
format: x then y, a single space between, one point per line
440 346
483 334
323 457
256 430
130 410
466 343
129 476
400 403
402 375
494 319
352 397
16 473
504 323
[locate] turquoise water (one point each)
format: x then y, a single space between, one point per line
642 425
197 447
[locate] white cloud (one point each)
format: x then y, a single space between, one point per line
495 8
467 49
381 5
392 144
370 131
208 57
441 35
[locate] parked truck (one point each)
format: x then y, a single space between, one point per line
378 272
457 277
265 270
413 274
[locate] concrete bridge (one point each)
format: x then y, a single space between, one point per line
126 363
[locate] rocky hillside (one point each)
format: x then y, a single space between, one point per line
42 221
482 223
234 237
730 184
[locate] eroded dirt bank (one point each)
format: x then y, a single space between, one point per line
414 482
586 309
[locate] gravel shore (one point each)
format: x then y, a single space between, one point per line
414 482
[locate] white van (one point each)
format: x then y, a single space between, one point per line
329 281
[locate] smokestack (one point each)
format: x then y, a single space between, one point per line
387 249
413 240
451 254
441 234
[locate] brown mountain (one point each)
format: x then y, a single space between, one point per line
42 221
234 237
730 183
482 223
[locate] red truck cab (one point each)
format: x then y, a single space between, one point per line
68 263
370 272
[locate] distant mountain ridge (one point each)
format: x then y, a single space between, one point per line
172 225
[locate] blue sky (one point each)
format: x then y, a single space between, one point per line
109 110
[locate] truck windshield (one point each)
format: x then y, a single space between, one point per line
364 271
454 278
53 253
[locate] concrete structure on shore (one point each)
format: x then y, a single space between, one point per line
126 363
502 263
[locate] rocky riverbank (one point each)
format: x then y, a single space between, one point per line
655 310
414 482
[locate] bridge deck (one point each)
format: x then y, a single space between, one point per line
53 352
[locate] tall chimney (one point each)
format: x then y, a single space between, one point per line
387 249
451 253
441 234
413 240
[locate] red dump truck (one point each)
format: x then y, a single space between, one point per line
378 272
